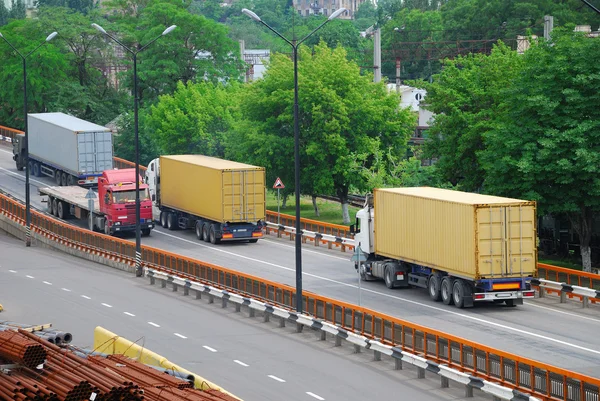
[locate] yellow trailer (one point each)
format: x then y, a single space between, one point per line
222 200
471 246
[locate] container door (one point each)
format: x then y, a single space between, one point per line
243 195
506 241
104 151
520 240
492 241
87 152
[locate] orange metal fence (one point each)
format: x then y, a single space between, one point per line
542 380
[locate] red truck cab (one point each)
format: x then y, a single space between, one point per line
116 194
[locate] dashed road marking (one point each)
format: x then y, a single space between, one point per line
129 314
28 276
12 271
277 378
209 348
66 289
241 363
154 324
85 296
318 397
180 335
107 305
47 282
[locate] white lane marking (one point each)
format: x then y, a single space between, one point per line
274 242
47 282
277 378
563 312
12 271
66 289
107 305
180 335
209 348
28 276
464 316
85 296
21 176
154 324
318 397
240 363
129 314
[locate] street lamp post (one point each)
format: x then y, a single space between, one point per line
138 234
26 136
295 43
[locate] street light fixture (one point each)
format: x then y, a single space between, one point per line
138 234
26 136
295 43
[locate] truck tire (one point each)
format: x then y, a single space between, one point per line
213 235
55 206
49 205
446 290
511 303
62 210
460 290
106 227
171 222
36 169
205 236
389 277
30 167
57 177
433 286
63 179
19 162
253 240
146 232
70 180
198 229
163 219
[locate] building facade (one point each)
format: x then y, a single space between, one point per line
327 7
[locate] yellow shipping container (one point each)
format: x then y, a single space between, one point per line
465 234
212 188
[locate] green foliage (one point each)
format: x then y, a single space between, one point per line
45 71
17 10
546 145
124 142
81 6
343 117
194 120
4 14
465 98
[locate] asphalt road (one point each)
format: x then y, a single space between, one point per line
251 359
561 335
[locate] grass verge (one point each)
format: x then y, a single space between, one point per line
330 212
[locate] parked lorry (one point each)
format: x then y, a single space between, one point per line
462 247
114 203
69 150
220 199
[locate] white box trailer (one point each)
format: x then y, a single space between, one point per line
70 150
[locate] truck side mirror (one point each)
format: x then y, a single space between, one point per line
352 229
153 197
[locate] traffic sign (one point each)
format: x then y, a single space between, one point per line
278 184
90 194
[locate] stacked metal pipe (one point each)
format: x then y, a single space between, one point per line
18 348
68 375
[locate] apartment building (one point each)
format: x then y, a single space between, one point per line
327 7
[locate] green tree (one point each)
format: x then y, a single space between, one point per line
17 10
194 120
545 143
81 6
198 50
124 141
465 97
46 71
4 14
344 117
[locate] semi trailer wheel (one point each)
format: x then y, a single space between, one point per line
433 286
163 219
446 290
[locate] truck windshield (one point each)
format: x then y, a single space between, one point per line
129 196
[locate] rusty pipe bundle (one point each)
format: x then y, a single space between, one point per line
19 349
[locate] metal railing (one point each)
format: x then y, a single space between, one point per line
526 375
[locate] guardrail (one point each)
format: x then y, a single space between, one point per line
359 341
7 134
528 376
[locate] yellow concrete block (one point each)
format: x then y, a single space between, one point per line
107 342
